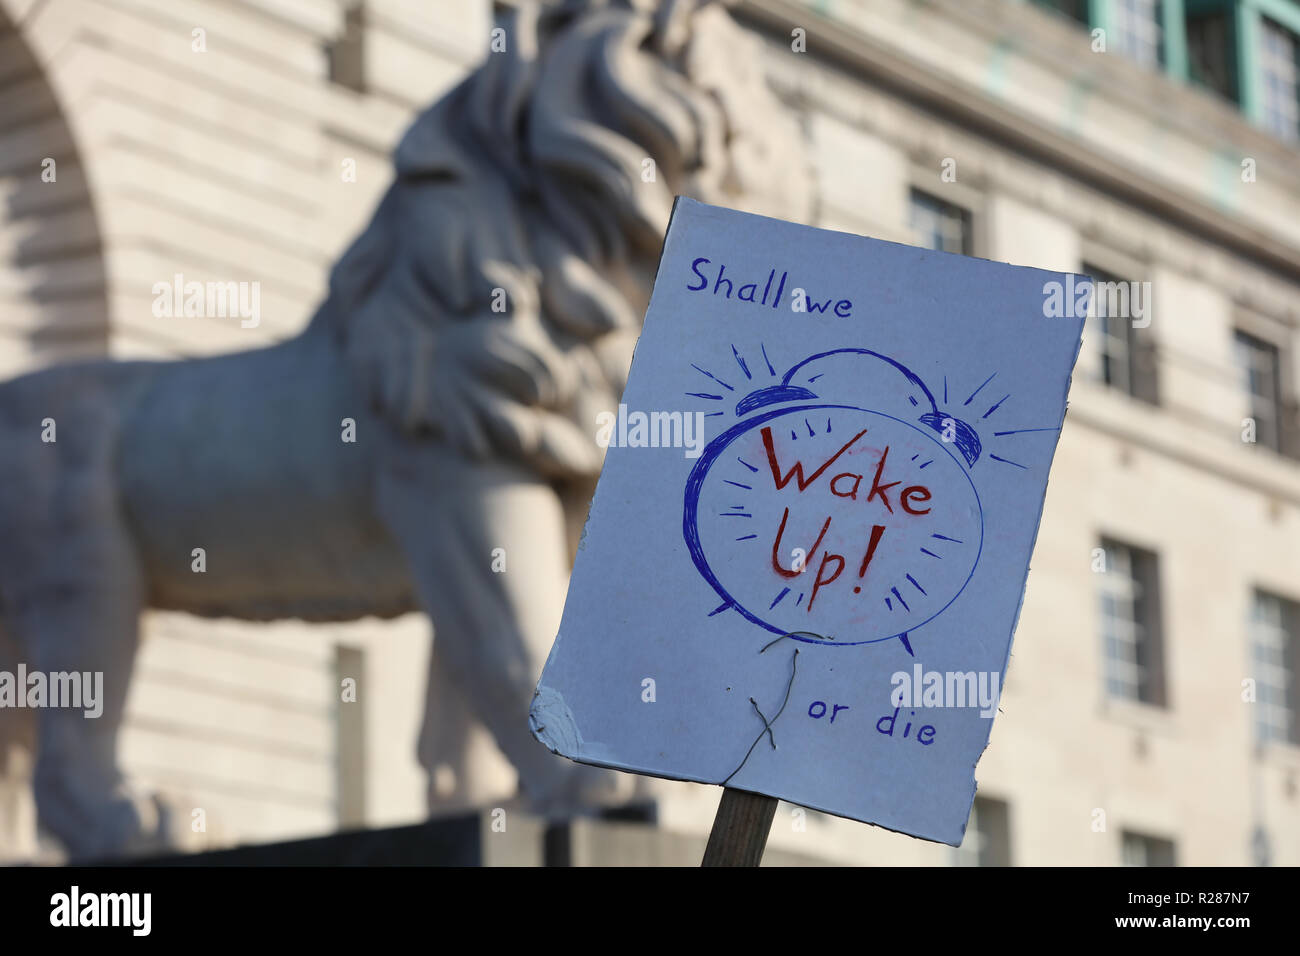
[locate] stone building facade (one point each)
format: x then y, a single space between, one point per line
1151 712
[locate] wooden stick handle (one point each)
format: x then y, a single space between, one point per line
740 829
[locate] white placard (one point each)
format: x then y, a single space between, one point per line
806 555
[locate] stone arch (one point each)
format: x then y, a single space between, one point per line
54 303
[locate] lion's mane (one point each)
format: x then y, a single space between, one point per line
533 177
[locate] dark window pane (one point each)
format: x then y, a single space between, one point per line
1076 10
940 225
1210 57
1140 849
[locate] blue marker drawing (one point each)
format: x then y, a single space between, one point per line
714 377
801 491
977 391
741 362
758 469
997 405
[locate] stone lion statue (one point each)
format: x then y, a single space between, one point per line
469 338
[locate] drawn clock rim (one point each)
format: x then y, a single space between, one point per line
690 520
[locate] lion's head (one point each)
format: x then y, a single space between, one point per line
496 294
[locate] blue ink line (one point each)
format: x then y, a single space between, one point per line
913 580
713 414
712 398
763 348
997 406
798 602
944 537
811 433
738 484
945 389
828 426
747 465
916 456
1007 461
733 514
747 537
783 593
1021 431
888 605
912 399
719 609
712 376
743 367
930 462
815 377
894 591
903 369
977 391
930 553
793 436
907 645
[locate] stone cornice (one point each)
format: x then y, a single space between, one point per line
1194 118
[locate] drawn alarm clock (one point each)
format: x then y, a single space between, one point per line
832 521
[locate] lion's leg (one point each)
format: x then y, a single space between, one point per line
456 750
80 614
17 726
494 628
17 748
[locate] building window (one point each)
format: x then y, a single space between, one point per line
1112 332
1125 360
1139 849
1130 624
1275 643
1210 61
346 54
1279 64
1135 31
1259 365
1076 10
349 739
988 835
940 225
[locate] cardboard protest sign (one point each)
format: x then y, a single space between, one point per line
806 555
